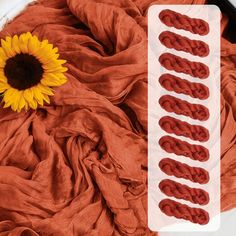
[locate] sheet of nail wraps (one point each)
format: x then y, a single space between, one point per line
164 187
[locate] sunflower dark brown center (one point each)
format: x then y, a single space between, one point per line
23 71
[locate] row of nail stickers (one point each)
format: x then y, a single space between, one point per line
183 118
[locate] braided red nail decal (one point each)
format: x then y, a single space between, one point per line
181 191
182 148
182 211
181 43
182 65
179 21
181 128
184 171
181 107
178 85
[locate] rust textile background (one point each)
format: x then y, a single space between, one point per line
78 167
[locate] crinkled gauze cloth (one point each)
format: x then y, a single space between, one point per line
78 167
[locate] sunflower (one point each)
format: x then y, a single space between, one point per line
29 68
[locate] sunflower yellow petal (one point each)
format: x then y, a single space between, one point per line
9 94
3 55
43 44
46 90
33 104
60 69
21 102
51 67
59 75
3 78
51 79
28 94
45 51
2 63
12 96
29 97
3 58
53 83
48 58
6 105
4 87
26 106
15 44
23 42
15 101
38 96
6 46
33 45
46 98
28 35
58 62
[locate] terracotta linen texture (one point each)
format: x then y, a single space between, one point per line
78 167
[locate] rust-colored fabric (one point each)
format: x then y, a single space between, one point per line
79 165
